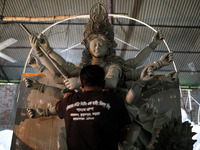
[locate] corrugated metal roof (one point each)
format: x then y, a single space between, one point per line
178 20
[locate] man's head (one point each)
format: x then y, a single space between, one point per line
92 76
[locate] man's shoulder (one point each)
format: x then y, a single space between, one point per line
68 96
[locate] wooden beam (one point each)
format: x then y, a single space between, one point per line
35 19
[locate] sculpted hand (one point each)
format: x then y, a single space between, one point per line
35 45
44 43
165 60
158 38
72 83
147 113
147 74
169 77
33 84
175 76
35 63
32 113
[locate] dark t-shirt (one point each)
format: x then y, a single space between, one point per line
93 120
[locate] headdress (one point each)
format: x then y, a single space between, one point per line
99 24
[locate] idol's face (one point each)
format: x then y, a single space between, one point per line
98 48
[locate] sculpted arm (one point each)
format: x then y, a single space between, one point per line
69 68
37 43
34 62
113 72
48 90
135 91
111 78
165 60
34 41
45 44
144 54
37 113
170 77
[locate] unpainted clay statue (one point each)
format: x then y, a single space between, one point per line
134 92
100 54
121 75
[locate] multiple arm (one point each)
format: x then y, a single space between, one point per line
165 60
37 113
170 77
41 42
145 78
35 43
34 62
144 54
48 90
135 91
144 74
113 73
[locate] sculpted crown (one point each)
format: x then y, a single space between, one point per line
99 24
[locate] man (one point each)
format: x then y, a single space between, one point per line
94 119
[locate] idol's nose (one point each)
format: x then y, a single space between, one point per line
97 46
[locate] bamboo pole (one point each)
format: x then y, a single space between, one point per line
38 19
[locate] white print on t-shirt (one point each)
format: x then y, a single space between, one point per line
94 103
88 113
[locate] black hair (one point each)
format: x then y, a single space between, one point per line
92 75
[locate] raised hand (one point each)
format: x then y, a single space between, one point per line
165 60
34 62
72 83
158 38
44 43
35 113
175 76
147 74
35 44
31 83
136 88
169 77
